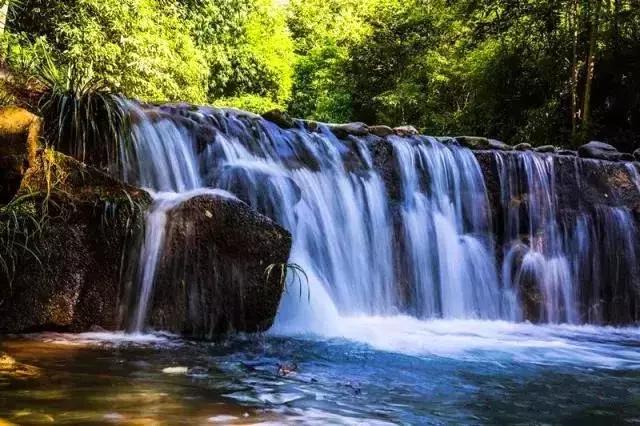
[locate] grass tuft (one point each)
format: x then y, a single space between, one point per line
82 117
297 273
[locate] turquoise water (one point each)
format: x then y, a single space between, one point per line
437 372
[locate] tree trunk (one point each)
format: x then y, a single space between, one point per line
573 27
4 12
594 20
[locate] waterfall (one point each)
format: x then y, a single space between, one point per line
533 236
448 250
419 238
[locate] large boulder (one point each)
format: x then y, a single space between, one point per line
599 151
212 277
67 241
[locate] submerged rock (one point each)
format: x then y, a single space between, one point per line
74 229
213 276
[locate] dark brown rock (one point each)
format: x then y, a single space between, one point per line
473 142
599 151
76 231
280 118
381 131
212 278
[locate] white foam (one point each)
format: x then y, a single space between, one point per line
475 340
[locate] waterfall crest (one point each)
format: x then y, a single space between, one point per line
435 247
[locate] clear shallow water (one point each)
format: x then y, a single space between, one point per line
411 371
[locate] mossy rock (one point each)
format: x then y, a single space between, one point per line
78 233
55 172
20 132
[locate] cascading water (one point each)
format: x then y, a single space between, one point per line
448 252
533 236
427 252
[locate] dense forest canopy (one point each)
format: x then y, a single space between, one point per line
538 71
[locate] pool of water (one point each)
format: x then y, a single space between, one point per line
372 370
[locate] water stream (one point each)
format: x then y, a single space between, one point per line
419 291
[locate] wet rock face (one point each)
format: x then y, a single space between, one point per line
74 245
212 277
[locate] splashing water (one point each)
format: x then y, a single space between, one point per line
426 250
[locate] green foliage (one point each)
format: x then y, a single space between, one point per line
21 228
81 116
247 47
499 68
138 47
542 71
324 32
253 103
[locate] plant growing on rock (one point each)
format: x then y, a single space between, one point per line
283 270
82 117
21 227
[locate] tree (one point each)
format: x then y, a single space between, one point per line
248 50
139 47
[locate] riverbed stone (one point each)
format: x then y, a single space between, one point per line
545 149
349 129
406 131
499 145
